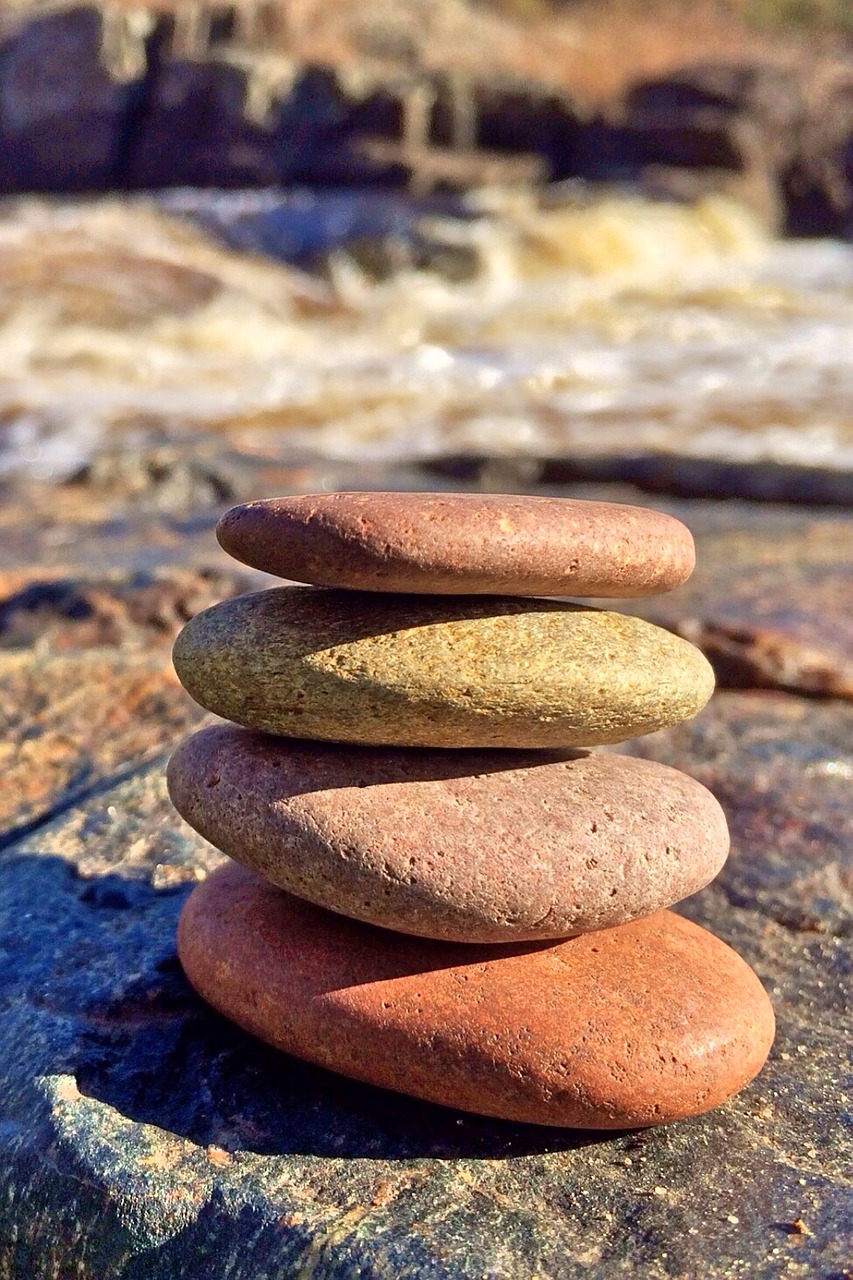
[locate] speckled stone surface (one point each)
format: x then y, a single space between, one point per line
431 671
145 1138
73 721
142 1137
461 544
475 847
641 1024
784 619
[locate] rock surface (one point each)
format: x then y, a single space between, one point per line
483 847
69 723
142 1136
781 768
189 1149
461 544
783 620
633 1026
140 609
428 671
101 97
62 115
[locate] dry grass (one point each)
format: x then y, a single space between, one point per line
617 42
592 48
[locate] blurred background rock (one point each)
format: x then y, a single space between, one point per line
598 248
752 97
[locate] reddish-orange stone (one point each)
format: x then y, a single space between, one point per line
462 544
644 1023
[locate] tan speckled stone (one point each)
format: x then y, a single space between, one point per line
478 846
462 544
647 1022
487 671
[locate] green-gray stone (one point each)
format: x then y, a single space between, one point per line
352 666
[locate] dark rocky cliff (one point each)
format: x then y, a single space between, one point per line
96 98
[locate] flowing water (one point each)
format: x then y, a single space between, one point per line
574 329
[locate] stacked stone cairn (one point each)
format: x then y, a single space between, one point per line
437 887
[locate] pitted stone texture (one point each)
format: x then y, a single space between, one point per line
144 1137
188 1148
478 846
781 767
351 666
462 544
632 1026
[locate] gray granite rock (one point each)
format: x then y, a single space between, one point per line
143 1136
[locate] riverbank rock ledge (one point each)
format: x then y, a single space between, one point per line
462 544
482 846
433 671
649 1022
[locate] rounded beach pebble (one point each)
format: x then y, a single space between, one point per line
647 1022
462 544
433 671
470 847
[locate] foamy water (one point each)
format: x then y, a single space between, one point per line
623 326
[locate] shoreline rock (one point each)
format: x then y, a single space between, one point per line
187 1148
96 98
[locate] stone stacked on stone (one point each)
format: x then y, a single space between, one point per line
441 891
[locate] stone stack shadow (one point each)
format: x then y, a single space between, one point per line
436 886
